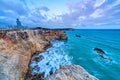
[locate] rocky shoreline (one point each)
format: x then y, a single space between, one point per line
71 72
17 48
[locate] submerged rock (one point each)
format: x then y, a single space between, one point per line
77 35
98 50
71 72
101 53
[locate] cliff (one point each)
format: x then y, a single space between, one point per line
71 72
18 46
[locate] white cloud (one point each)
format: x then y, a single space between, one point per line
82 17
82 13
97 13
99 3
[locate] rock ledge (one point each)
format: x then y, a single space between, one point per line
71 72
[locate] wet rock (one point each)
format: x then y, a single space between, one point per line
35 76
101 54
98 50
71 72
51 72
38 58
77 35
41 76
48 45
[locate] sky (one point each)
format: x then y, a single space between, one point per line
83 14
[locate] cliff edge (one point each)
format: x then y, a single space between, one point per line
18 46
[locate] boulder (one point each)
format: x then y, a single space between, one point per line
98 50
71 72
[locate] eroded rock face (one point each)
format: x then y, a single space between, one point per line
18 46
71 72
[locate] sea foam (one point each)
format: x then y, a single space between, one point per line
54 57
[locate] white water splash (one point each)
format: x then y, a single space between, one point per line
54 57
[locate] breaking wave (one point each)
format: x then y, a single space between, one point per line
53 58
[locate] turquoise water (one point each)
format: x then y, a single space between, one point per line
82 53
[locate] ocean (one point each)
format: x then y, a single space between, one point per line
80 51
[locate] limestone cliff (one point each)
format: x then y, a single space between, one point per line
71 72
17 48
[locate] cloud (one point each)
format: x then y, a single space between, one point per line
97 13
78 12
11 10
89 12
99 3
15 7
81 13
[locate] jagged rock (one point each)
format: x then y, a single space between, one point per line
2 34
98 50
37 59
15 57
71 72
101 54
63 36
13 38
23 35
35 77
